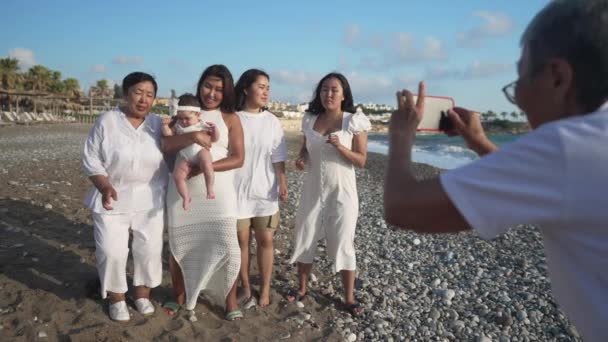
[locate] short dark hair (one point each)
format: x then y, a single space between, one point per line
577 31
316 107
220 71
188 99
245 81
135 78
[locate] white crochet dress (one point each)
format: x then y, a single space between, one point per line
203 239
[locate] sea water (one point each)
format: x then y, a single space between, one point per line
438 150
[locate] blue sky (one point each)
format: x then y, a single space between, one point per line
464 49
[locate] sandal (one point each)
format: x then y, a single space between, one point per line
355 309
235 315
251 302
171 308
294 296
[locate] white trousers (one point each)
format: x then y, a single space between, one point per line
112 249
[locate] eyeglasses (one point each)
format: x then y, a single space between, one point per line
509 91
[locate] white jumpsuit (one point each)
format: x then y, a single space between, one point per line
329 205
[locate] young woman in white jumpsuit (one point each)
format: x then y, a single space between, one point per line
335 142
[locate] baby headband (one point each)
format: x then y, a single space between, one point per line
189 108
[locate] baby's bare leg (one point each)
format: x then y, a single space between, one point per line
180 175
206 165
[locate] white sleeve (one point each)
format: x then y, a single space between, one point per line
92 160
306 122
359 123
279 146
522 183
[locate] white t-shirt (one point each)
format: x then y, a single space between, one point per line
256 182
131 159
555 177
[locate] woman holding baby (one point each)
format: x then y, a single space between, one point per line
205 254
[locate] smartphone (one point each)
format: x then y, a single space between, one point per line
435 117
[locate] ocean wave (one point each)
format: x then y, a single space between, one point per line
442 156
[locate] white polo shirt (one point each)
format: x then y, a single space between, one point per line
555 177
131 159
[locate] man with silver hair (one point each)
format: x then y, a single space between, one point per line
555 177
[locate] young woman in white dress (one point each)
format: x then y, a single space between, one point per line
335 142
261 182
205 254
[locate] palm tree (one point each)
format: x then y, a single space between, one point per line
71 87
9 77
56 86
117 91
39 79
103 88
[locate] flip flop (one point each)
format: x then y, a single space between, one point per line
171 308
235 315
251 302
294 296
355 309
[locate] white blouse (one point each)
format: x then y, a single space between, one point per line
256 182
131 159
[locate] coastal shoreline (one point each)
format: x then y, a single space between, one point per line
412 287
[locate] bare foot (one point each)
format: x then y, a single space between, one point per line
210 194
245 295
186 203
264 300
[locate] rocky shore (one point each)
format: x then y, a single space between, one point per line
413 287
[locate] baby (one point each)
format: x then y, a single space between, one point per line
189 120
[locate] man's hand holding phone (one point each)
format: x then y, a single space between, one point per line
408 115
467 124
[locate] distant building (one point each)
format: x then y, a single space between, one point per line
162 101
302 107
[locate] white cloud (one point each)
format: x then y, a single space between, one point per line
98 68
493 25
477 70
376 41
127 60
298 86
380 51
399 49
24 56
295 77
368 86
351 35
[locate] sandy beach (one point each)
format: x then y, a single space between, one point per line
413 287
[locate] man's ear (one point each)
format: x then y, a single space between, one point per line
562 76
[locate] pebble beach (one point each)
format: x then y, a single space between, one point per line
413 287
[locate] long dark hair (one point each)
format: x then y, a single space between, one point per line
245 81
316 107
220 71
